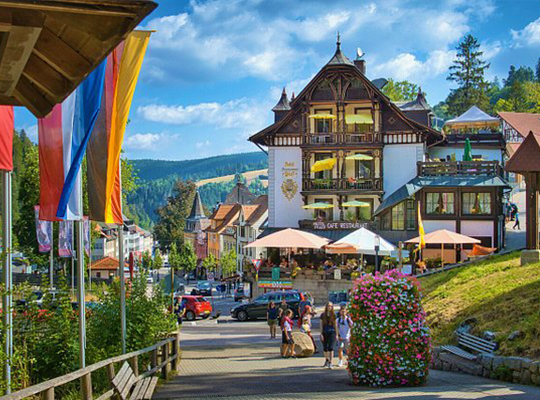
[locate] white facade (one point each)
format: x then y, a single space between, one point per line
399 165
284 187
433 225
478 229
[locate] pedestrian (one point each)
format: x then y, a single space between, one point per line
283 307
344 323
328 333
272 318
516 224
180 310
286 335
304 322
514 211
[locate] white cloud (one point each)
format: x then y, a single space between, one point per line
407 66
528 36
319 28
200 145
143 141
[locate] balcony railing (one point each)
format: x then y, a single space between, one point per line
476 138
459 168
362 184
348 138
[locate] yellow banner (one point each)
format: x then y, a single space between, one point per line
421 231
130 66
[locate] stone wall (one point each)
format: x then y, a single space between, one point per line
510 369
319 289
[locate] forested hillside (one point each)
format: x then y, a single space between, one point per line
157 177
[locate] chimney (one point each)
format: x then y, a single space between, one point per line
359 62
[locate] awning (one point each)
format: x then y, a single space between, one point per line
318 206
473 117
355 203
290 238
414 185
364 241
322 116
359 118
444 236
323 165
359 157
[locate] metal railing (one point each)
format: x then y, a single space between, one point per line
459 168
367 184
348 138
164 358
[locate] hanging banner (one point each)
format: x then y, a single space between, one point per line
86 233
6 138
105 146
65 235
43 232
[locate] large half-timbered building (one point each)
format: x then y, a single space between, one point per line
377 165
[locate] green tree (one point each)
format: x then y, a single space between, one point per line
521 74
158 260
188 258
228 263
174 257
172 217
210 263
147 260
467 71
400 90
538 70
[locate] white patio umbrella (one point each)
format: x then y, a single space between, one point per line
363 240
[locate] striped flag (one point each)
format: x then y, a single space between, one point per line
63 137
6 138
104 184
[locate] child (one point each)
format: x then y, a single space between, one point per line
272 317
344 323
304 322
287 340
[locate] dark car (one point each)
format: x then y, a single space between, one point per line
257 308
203 289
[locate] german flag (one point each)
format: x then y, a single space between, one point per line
103 154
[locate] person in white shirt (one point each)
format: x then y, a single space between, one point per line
287 339
344 324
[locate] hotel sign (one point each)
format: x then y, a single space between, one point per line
289 187
335 225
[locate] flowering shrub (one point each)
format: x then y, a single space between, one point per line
390 342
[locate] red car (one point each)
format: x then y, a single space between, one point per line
196 306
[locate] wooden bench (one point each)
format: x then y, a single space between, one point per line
126 383
471 342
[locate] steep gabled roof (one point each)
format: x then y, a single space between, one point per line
418 104
197 210
336 62
522 122
527 156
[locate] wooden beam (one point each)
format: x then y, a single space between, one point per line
109 26
30 97
84 7
61 56
46 77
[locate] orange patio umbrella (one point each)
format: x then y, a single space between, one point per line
444 236
290 238
341 248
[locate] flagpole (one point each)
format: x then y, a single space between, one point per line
122 285
7 269
51 255
72 258
81 299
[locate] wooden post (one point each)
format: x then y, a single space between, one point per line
400 256
176 352
110 374
86 386
134 362
532 211
48 394
164 356
154 358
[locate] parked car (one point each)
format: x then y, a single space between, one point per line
196 306
203 288
257 308
239 293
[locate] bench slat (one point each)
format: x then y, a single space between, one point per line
484 342
124 394
474 345
151 388
121 375
459 352
139 387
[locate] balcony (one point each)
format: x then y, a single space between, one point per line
460 168
342 138
483 139
342 184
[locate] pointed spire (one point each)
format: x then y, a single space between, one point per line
197 210
293 97
339 57
283 103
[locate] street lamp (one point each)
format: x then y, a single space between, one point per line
377 247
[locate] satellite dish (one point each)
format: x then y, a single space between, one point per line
359 53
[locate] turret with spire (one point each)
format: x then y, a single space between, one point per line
282 107
339 57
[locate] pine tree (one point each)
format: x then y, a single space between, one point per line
467 72
538 70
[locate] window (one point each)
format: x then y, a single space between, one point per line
364 168
439 203
326 174
360 122
292 297
385 221
98 274
410 217
398 217
364 213
323 214
476 203
323 125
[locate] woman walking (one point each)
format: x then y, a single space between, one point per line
286 336
304 322
344 323
272 318
328 333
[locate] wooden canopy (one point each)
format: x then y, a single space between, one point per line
48 47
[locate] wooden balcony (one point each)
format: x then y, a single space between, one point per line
342 138
342 184
483 139
459 168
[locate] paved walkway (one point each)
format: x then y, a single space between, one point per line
257 372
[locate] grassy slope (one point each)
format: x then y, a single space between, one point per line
499 293
250 176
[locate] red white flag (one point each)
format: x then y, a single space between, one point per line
6 138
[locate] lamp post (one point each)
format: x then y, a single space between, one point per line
377 247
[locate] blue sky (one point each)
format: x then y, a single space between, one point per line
214 69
